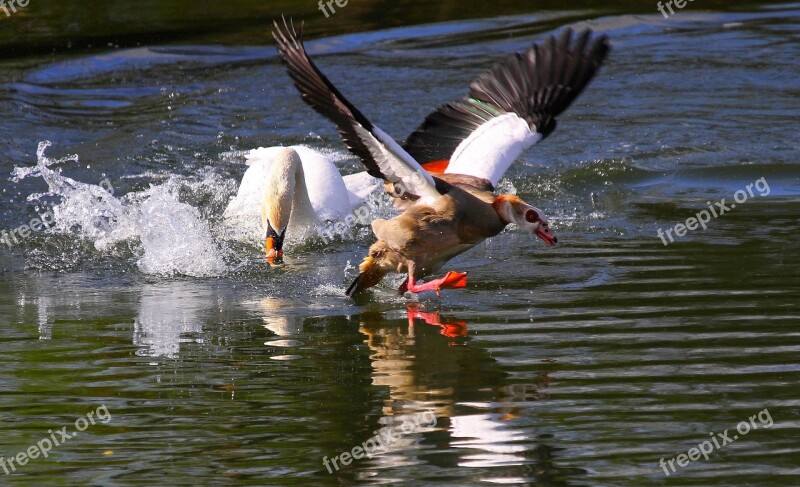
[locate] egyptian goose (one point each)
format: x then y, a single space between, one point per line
296 189
475 139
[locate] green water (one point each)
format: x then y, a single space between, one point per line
579 365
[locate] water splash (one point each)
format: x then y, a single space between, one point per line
174 238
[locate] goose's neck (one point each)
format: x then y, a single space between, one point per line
502 206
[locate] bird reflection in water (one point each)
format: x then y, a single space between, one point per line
450 329
429 363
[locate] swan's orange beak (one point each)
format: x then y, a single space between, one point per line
274 254
273 246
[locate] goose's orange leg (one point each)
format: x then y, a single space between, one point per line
451 280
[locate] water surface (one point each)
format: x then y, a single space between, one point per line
583 364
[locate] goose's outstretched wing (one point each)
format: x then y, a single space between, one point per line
510 107
383 157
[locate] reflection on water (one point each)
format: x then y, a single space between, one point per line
471 396
279 318
448 328
170 313
582 364
45 327
278 315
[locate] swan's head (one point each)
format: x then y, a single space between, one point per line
512 209
273 246
276 208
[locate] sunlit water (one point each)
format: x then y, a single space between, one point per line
583 364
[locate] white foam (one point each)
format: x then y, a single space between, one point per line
175 240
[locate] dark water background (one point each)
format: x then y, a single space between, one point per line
579 365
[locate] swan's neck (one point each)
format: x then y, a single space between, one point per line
286 202
303 214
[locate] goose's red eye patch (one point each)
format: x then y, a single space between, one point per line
532 216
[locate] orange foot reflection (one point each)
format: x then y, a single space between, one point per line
452 329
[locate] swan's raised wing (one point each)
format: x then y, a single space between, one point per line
383 157
510 107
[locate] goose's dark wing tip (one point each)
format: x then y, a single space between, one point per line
319 93
537 85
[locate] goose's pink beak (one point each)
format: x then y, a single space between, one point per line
546 234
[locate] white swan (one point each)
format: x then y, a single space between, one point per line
296 189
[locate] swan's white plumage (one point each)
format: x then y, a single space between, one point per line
331 197
359 186
490 150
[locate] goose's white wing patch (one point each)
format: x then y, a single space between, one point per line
490 150
397 165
